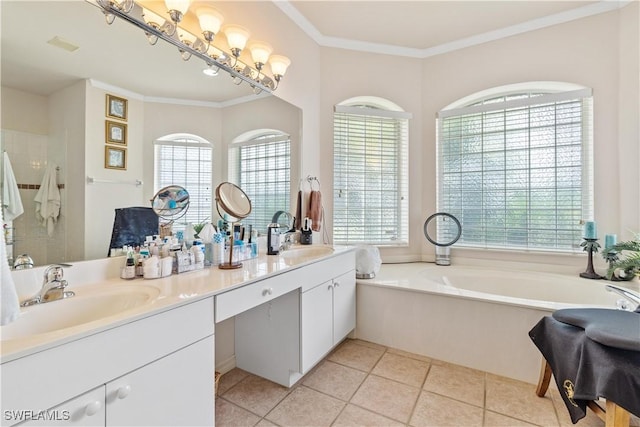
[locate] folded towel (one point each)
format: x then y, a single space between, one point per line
10 308
315 209
48 200
11 201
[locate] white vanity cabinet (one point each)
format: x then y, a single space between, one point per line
304 313
156 370
328 315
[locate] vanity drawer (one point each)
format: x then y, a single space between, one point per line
252 295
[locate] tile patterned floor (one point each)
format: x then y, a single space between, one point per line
365 384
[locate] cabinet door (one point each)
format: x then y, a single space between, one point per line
177 390
317 324
84 410
344 305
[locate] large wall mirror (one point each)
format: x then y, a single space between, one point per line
59 61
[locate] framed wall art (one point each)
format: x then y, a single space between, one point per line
116 107
115 132
115 158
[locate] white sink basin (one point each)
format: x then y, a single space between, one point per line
89 304
310 251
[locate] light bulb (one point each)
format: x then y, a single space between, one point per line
260 52
279 65
210 21
180 5
237 37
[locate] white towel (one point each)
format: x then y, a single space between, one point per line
9 306
48 200
11 201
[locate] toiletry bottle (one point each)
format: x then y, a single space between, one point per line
273 239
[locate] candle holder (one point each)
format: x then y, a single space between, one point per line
590 246
611 257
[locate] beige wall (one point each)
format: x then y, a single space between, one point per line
600 52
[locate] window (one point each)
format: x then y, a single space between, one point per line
516 168
185 160
260 163
370 173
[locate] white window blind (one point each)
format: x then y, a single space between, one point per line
186 162
262 168
517 171
370 176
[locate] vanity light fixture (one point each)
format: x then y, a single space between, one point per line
201 46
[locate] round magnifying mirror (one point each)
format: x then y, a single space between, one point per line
171 202
233 200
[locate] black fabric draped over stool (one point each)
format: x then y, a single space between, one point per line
584 368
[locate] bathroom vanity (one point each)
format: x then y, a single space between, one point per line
153 363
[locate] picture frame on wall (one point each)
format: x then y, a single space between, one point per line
115 158
115 132
116 107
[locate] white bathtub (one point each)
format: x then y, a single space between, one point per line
472 316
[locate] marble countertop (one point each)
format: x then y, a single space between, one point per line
170 292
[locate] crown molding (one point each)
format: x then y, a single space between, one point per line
299 19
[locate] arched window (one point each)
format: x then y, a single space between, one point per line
186 160
260 163
370 172
515 166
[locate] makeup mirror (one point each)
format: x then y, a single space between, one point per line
235 202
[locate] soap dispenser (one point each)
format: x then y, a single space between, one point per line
306 237
273 239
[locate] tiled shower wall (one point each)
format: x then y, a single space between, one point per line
29 154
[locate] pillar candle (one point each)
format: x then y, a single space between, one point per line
610 240
590 231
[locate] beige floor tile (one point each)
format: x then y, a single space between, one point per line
386 397
410 355
436 410
518 400
230 379
228 414
402 369
306 407
366 344
457 382
266 423
335 380
493 419
256 394
356 356
590 420
354 416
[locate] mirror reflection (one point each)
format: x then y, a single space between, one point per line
54 114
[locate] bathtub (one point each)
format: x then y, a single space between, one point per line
471 316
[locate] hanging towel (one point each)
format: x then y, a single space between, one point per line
298 218
48 200
9 309
315 209
11 201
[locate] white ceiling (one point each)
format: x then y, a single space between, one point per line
120 55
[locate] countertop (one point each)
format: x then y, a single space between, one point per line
173 291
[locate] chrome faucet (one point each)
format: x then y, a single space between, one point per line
286 236
53 286
628 295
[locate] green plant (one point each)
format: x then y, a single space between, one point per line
199 226
625 257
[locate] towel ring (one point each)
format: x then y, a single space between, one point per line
311 180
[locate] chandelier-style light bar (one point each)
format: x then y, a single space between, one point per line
156 27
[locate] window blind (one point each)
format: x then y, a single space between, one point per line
188 163
370 176
262 168
517 172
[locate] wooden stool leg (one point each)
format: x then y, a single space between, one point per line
545 378
616 416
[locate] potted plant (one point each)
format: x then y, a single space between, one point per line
624 259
